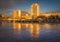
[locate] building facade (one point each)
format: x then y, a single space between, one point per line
20 14
47 14
34 10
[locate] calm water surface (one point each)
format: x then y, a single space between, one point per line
29 32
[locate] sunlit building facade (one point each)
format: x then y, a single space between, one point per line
47 14
16 14
34 13
20 14
34 10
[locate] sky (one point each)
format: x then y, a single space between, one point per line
7 6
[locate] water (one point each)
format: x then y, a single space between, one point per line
29 32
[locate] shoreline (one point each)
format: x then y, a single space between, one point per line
29 21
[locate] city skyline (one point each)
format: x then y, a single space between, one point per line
35 10
46 5
9 12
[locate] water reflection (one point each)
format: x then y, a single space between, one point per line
26 32
4 24
19 25
16 26
34 30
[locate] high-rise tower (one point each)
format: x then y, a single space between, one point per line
34 10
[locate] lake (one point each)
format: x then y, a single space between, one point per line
29 32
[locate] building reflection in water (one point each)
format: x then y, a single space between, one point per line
47 26
16 26
17 30
4 24
19 26
34 30
24 25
